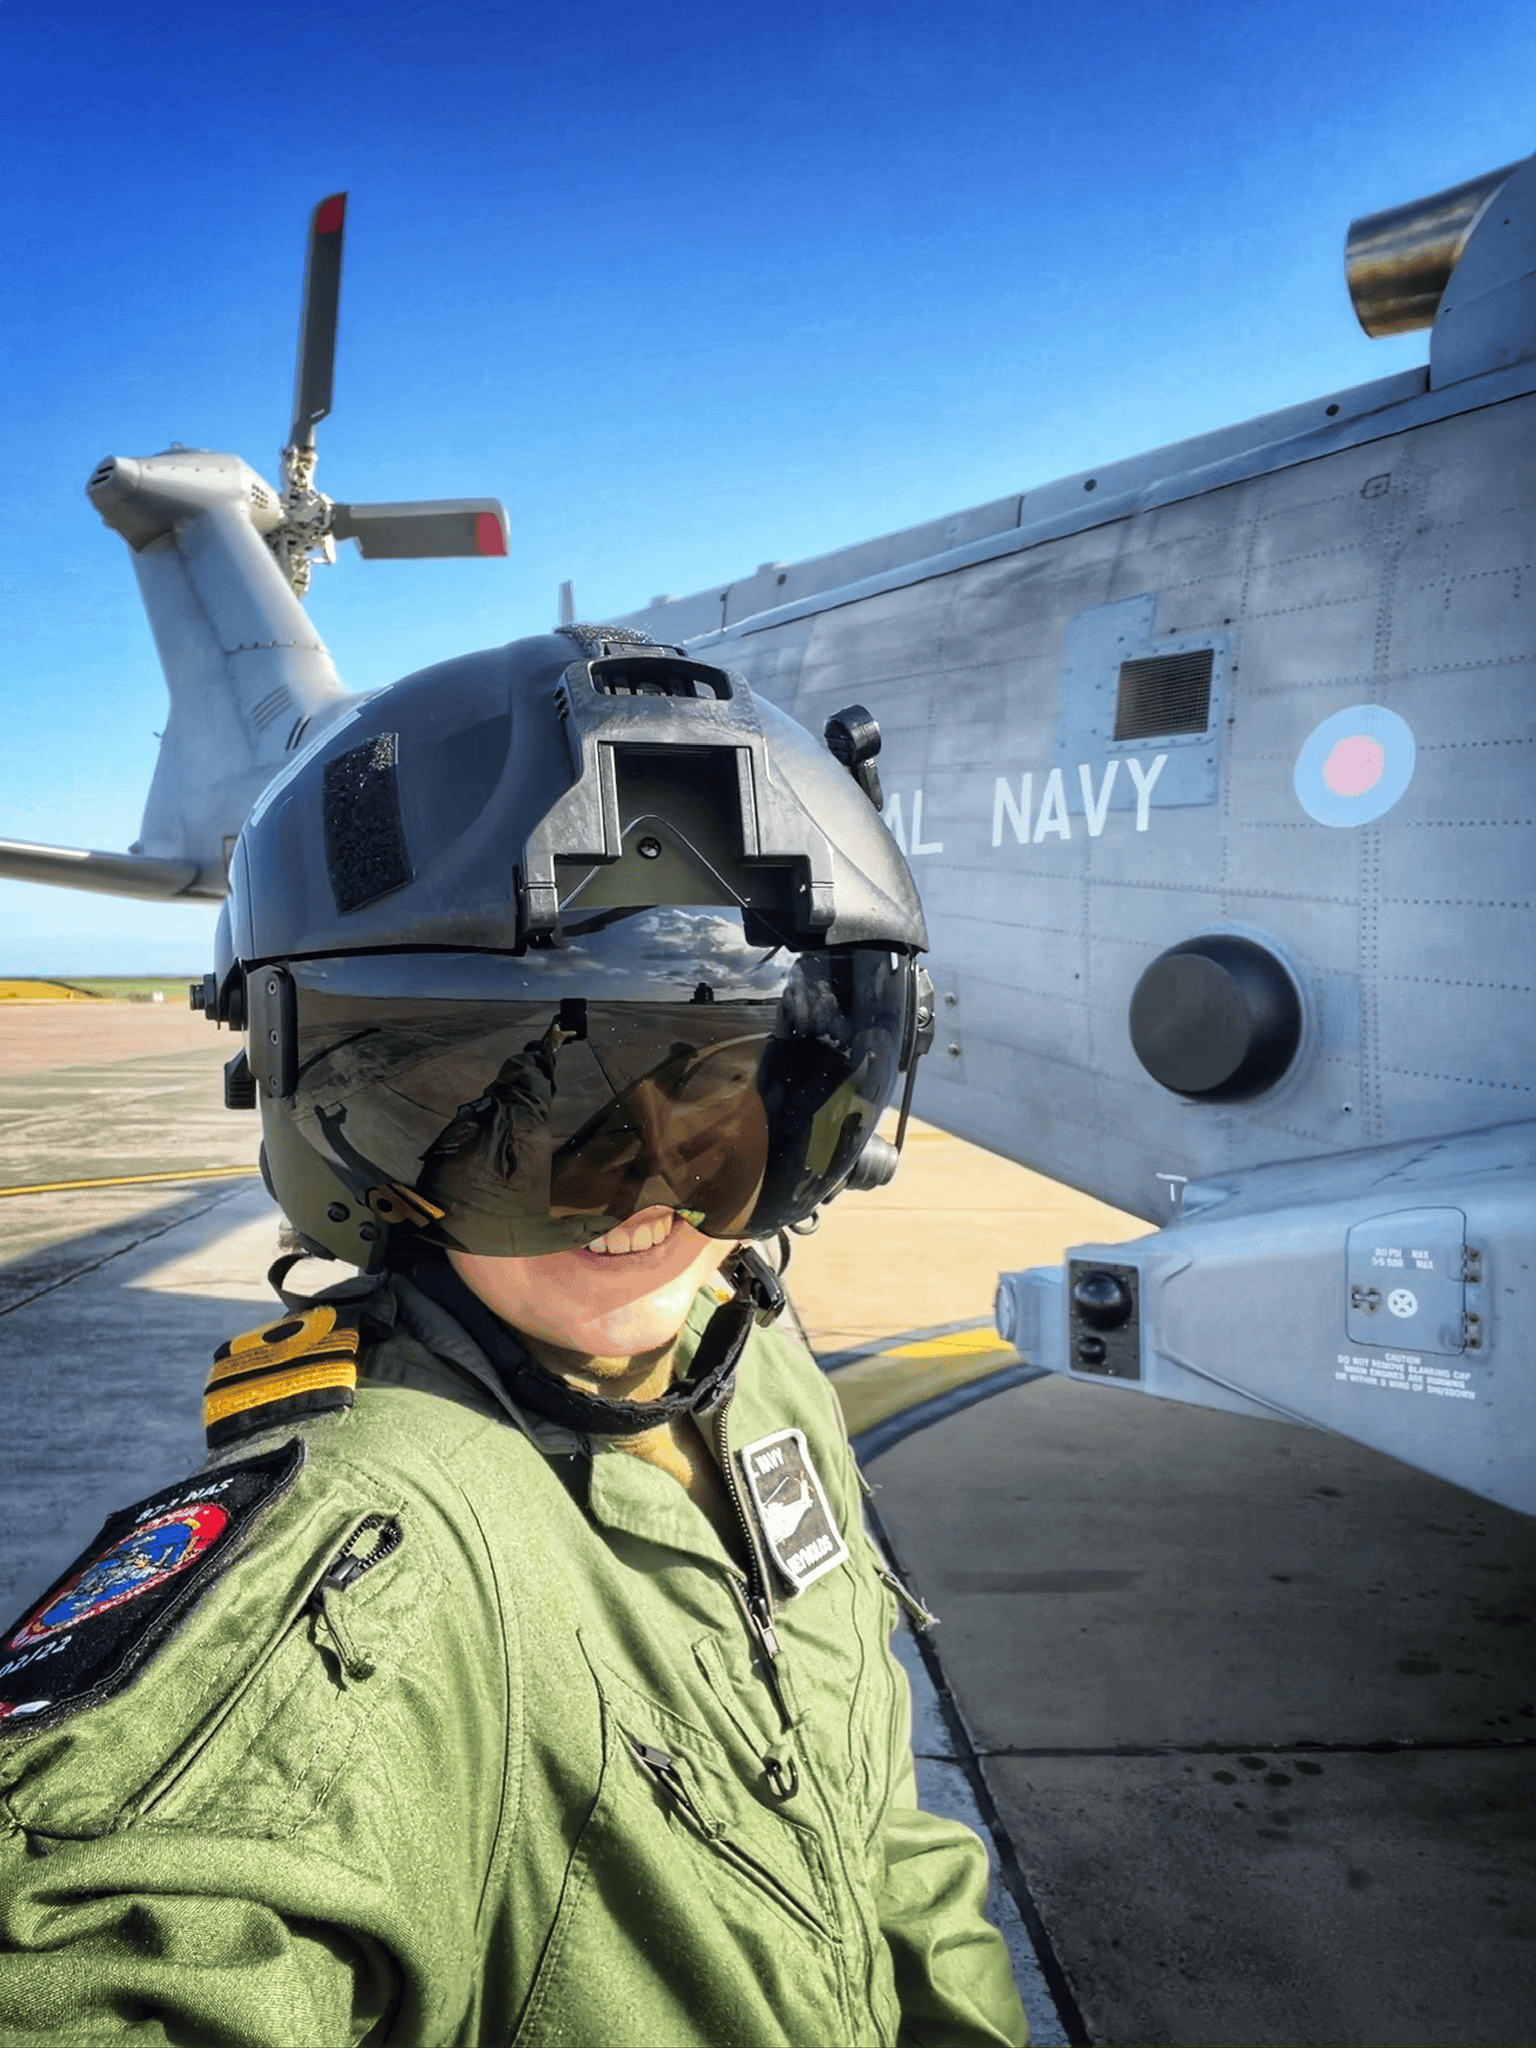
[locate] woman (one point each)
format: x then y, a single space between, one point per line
515 1669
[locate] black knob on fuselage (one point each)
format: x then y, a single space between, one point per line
1216 1018
1102 1301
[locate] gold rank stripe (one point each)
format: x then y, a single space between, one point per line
246 1366
284 1342
260 1390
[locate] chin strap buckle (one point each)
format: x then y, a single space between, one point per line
756 1283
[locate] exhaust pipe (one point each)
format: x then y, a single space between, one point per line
1399 262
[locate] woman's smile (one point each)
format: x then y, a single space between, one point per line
626 1292
646 1231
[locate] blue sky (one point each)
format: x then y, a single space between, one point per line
690 288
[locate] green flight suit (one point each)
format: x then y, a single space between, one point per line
530 1778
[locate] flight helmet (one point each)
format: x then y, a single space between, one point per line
548 934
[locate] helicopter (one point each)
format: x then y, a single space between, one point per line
1215 767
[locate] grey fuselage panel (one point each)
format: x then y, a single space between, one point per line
1057 863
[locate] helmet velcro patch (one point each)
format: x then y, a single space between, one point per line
304 1364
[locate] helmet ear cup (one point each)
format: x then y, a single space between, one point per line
328 1216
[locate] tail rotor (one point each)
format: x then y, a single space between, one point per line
312 523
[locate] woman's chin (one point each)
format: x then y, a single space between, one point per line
626 1329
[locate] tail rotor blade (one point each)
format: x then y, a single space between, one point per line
317 325
428 527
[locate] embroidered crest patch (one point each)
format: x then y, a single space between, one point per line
145 1558
116 1605
793 1512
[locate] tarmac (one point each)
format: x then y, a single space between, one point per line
1245 1712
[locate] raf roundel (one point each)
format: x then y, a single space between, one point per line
1355 765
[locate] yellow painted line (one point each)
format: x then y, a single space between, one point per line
957 1344
134 1180
872 1390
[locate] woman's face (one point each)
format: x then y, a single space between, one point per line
623 1294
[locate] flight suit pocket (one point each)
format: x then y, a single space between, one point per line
680 1797
710 1794
678 1921
296 1712
155 1748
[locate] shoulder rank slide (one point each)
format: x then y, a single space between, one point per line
303 1365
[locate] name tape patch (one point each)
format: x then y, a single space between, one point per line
793 1512
97 1625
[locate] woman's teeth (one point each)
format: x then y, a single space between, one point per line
635 1237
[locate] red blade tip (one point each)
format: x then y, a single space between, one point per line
330 214
489 538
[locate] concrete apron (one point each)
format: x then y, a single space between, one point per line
1252 1708
1255 1708
106 1340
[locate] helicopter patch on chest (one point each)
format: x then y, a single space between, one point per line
794 1515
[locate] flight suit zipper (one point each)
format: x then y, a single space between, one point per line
755 1589
922 1617
343 1572
752 1589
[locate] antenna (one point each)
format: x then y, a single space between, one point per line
567 604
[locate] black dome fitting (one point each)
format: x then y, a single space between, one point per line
1216 1018
1102 1301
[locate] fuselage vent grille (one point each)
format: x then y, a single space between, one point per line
1164 694
271 706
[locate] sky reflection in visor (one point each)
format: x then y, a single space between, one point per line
729 1080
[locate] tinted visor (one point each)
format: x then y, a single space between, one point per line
512 1107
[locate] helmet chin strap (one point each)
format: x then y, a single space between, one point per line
758 1297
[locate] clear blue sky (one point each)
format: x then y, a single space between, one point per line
691 288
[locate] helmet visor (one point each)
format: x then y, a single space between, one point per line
516 1106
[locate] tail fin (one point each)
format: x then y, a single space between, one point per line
249 677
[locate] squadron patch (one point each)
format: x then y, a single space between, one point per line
114 1607
793 1511
145 1558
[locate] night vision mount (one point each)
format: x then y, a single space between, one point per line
634 716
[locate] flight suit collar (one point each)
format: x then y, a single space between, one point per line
403 1307
630 1496
625 1494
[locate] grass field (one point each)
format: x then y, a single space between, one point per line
122 988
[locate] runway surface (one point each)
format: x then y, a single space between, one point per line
1249 1711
